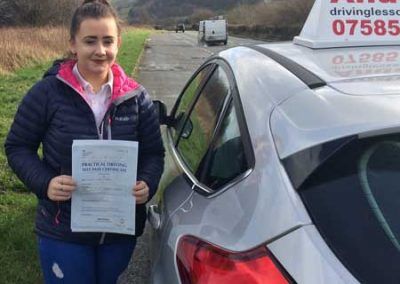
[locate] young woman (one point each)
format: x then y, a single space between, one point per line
87 97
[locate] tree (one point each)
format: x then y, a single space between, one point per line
290 12
139 16
272 13
201 14
36 12
7 12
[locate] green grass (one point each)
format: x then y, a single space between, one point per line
18 255
197 146
12 89
133 41
18 250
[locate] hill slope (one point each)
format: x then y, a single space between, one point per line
158 10
123 7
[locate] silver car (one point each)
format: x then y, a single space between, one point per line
282 167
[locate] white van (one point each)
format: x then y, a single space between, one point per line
213 31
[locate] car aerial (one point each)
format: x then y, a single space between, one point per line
180 27
282 166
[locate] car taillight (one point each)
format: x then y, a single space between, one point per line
202 263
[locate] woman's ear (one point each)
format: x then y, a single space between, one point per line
72 46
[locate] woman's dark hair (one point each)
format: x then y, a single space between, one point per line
92 9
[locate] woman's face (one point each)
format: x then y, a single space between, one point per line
96 46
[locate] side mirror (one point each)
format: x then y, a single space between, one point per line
161 110
187 129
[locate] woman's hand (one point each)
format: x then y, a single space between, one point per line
141 192
61 188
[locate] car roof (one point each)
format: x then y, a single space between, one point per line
358 93
360 96
348 67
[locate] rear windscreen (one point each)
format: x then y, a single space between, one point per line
354 201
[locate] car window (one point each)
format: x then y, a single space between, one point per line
186 100
354 201
226 159
198 130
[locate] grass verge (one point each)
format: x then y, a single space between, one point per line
18 250
18 255
133 41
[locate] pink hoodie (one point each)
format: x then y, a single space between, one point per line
122 83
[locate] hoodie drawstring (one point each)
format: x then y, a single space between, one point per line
56 220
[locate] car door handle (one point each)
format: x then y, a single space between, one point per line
154 217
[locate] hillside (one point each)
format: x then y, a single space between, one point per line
123 7
154 11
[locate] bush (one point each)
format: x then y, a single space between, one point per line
36 12
263 32
201 14
24 46
275 13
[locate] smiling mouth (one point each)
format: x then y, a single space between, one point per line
98 61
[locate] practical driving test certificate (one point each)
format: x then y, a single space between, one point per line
105 173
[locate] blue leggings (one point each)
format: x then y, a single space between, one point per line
64 262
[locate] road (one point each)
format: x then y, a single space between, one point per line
168 61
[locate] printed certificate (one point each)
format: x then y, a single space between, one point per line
105 172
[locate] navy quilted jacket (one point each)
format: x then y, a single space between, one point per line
55 113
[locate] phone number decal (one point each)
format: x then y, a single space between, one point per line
377 57
366 27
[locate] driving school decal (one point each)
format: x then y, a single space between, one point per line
333 23
348 20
